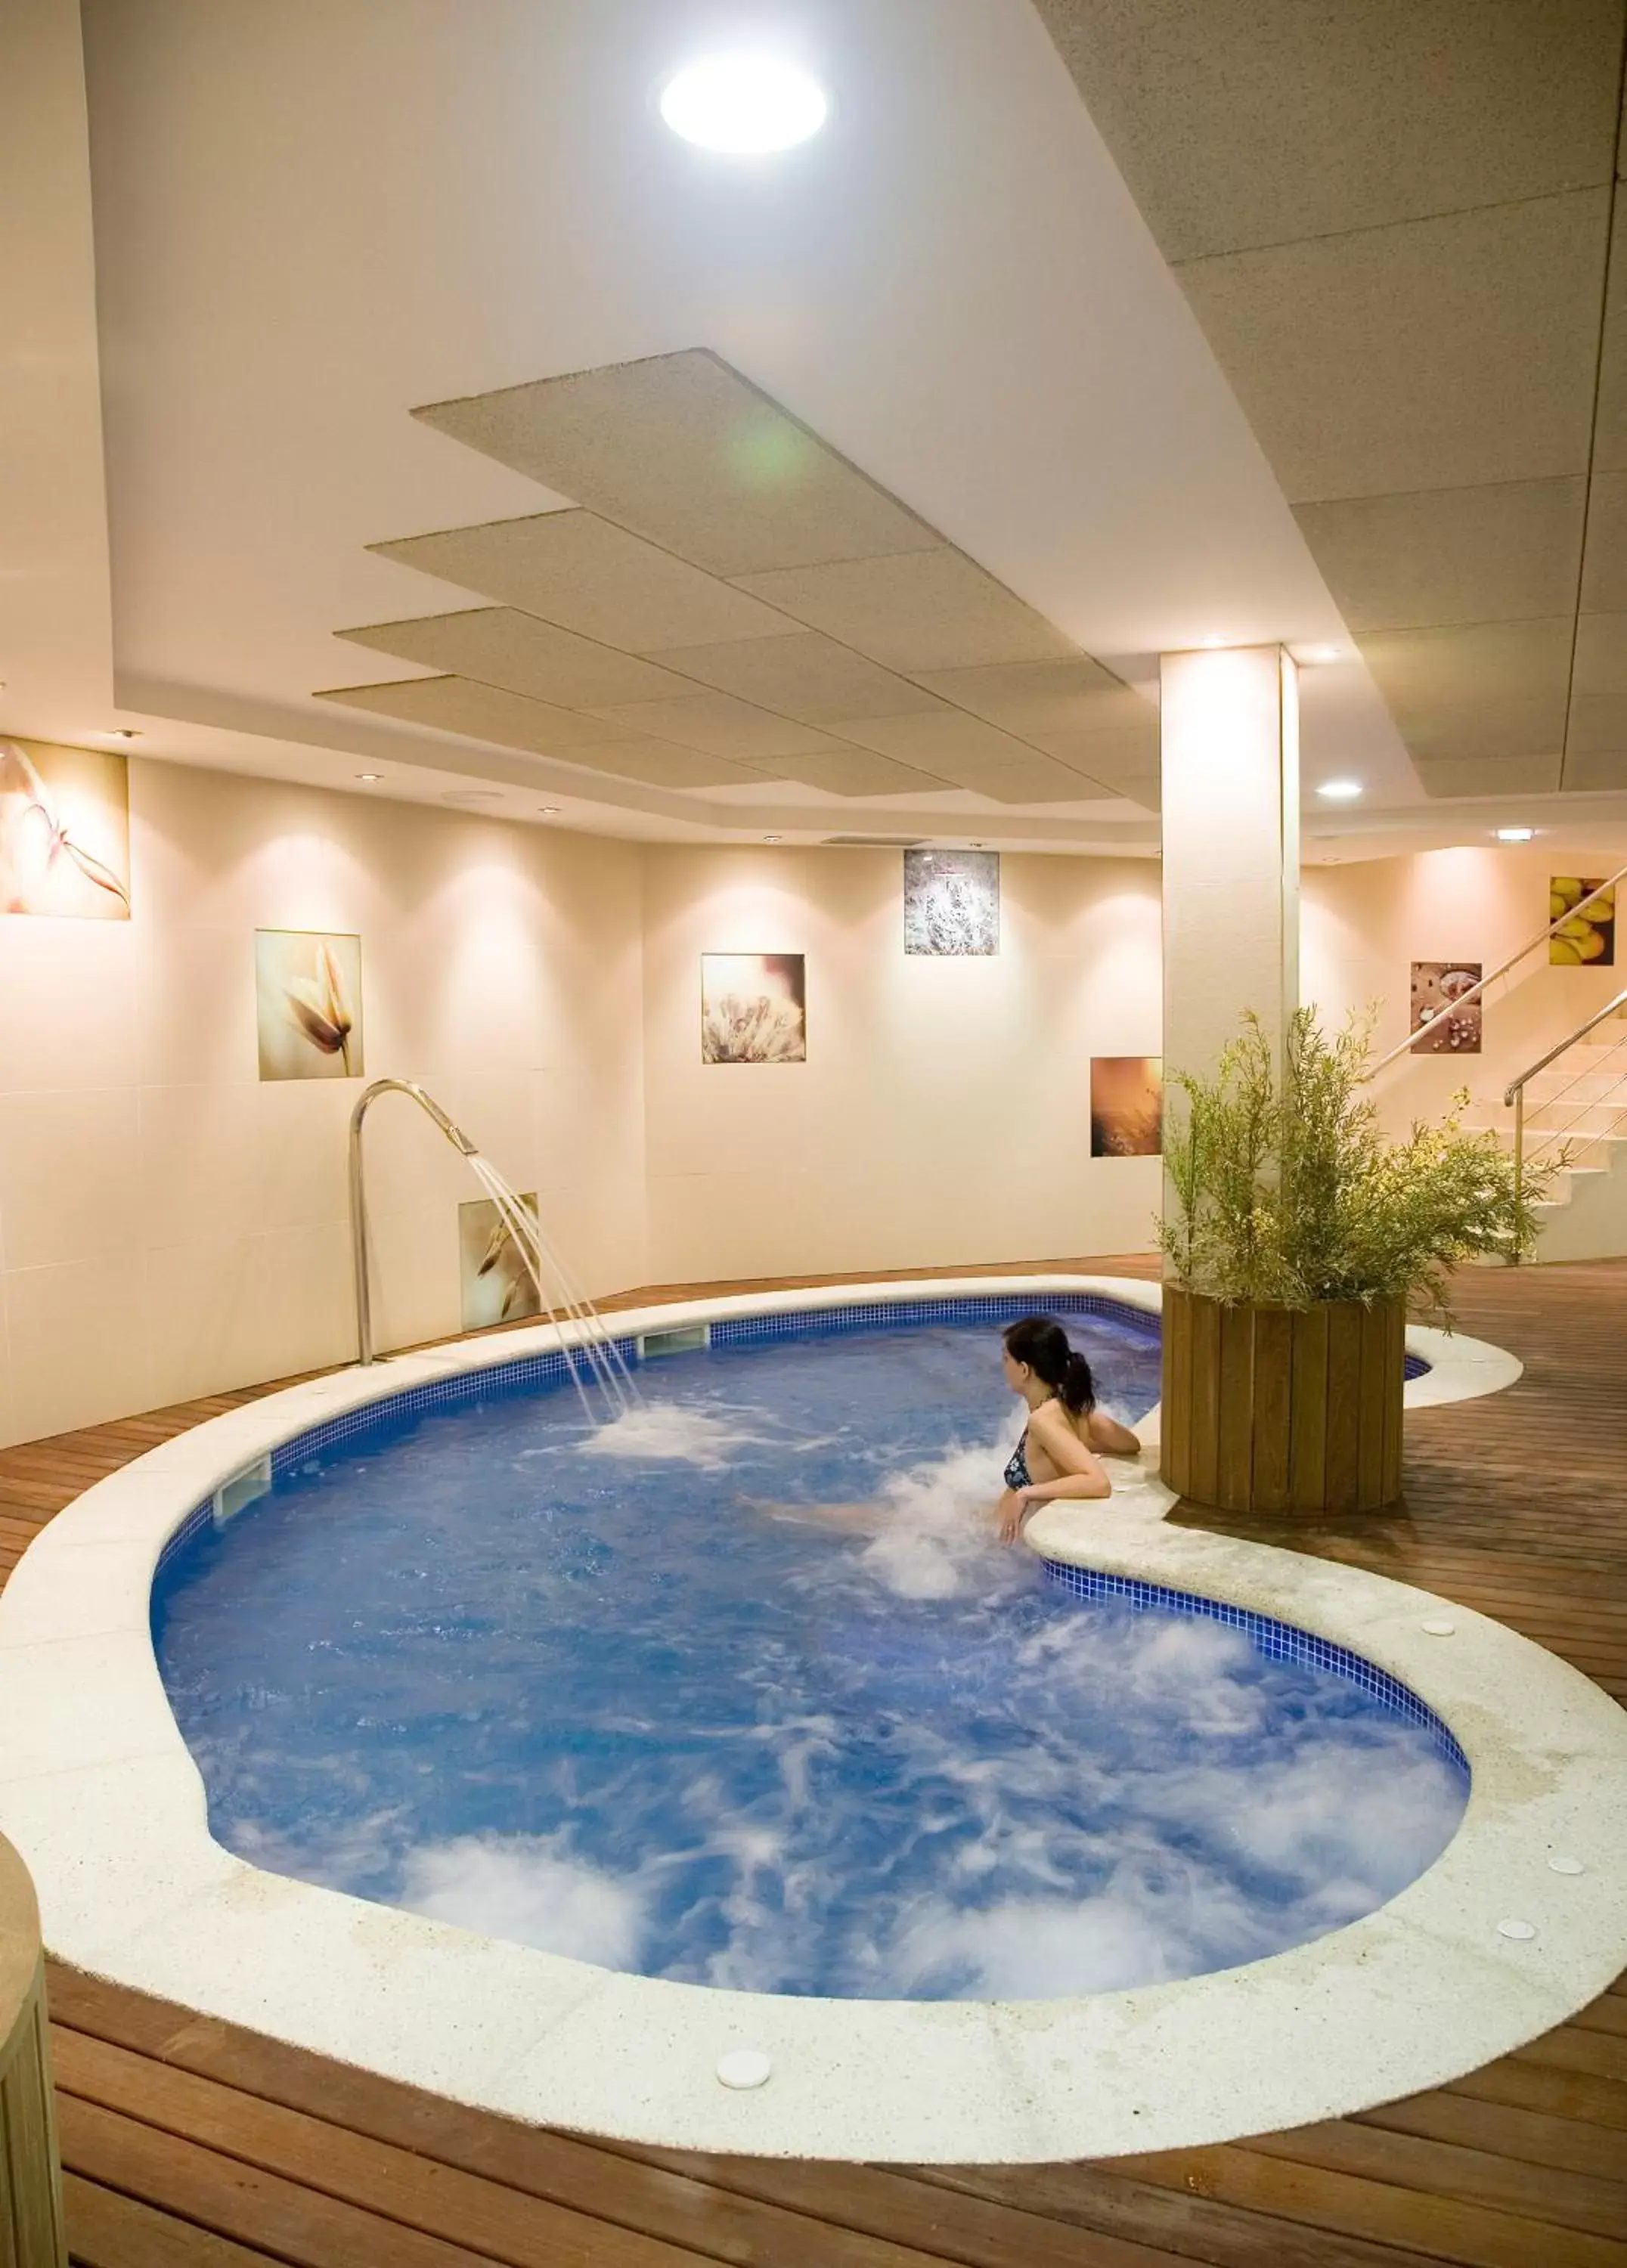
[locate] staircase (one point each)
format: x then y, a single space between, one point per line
1574 1105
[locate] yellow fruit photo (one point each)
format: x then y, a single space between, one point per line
1586 932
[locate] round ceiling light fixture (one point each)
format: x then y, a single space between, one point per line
372 778
1340 790
1515 834
774 838
746 104
1320 654
549 810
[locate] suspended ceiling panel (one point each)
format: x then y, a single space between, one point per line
921 610
1441 354
575 568
660 765
1391 218
856 772
1604 574
682 449
1506 552
616 625
480 712
726 728
499 645
1233 119
802 674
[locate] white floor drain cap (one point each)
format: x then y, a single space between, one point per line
1520 1929
743 2067
1567 1867
1438 1628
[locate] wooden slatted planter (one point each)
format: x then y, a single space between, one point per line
30 2195
1282 1409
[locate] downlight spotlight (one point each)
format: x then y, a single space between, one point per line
1340 790
746 104
1515 834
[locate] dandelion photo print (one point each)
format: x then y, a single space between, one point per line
64 832
753 1008
1126 1106
308 1003
952 901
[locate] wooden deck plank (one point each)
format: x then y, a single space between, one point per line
195 2146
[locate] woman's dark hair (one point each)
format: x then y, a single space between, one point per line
1041 1342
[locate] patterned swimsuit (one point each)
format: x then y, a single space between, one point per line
1017 1474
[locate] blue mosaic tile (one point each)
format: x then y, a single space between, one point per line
1278 1641
911 1314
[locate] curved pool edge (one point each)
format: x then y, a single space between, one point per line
98 1791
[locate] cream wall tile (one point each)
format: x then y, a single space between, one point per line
199 1159
69 1176
69 996
79 1346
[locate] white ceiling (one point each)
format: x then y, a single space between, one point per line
311 219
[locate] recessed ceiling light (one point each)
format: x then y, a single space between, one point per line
1214 644
1340 791
370 778
744 104
774 838
123 732
1322 654
1515 834
549 810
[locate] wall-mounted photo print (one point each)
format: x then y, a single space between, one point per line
64 832
1126 1106
753 1008
495 1285
308 1003
952 901
1447 1028
1585 940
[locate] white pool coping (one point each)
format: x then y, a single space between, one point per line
100 1794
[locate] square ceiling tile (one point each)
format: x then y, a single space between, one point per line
658 764
921 610
1237 124
498 645
1507 553
1038 696
1480 663
480 712
1597 722
722 726
682 449
1601 655
857 773
1449 729
801 675
1036 779
1601 769
1130 748
577 570
1491 776
1604 568
931 741
1445 353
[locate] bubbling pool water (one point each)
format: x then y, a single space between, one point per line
738 1690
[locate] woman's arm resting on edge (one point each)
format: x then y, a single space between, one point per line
1111 1438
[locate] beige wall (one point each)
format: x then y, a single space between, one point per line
1363 925
170 1226
942 1115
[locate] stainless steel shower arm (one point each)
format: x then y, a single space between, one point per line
459 1140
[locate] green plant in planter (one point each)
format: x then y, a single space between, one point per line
1287 1193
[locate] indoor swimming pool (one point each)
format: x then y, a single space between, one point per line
738 1689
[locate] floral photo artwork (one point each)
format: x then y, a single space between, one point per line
753 1008
495 1285
64 832
1585 940
1447 1028
1126 1106
952 901
308 1003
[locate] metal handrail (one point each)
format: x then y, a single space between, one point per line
1516 1094
1474 991
459 1140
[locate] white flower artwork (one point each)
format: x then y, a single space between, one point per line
753 1008
952 901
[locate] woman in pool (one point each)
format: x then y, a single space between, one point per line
1066 1436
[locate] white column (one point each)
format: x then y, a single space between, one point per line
1230 749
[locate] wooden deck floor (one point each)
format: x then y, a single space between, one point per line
189 2145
